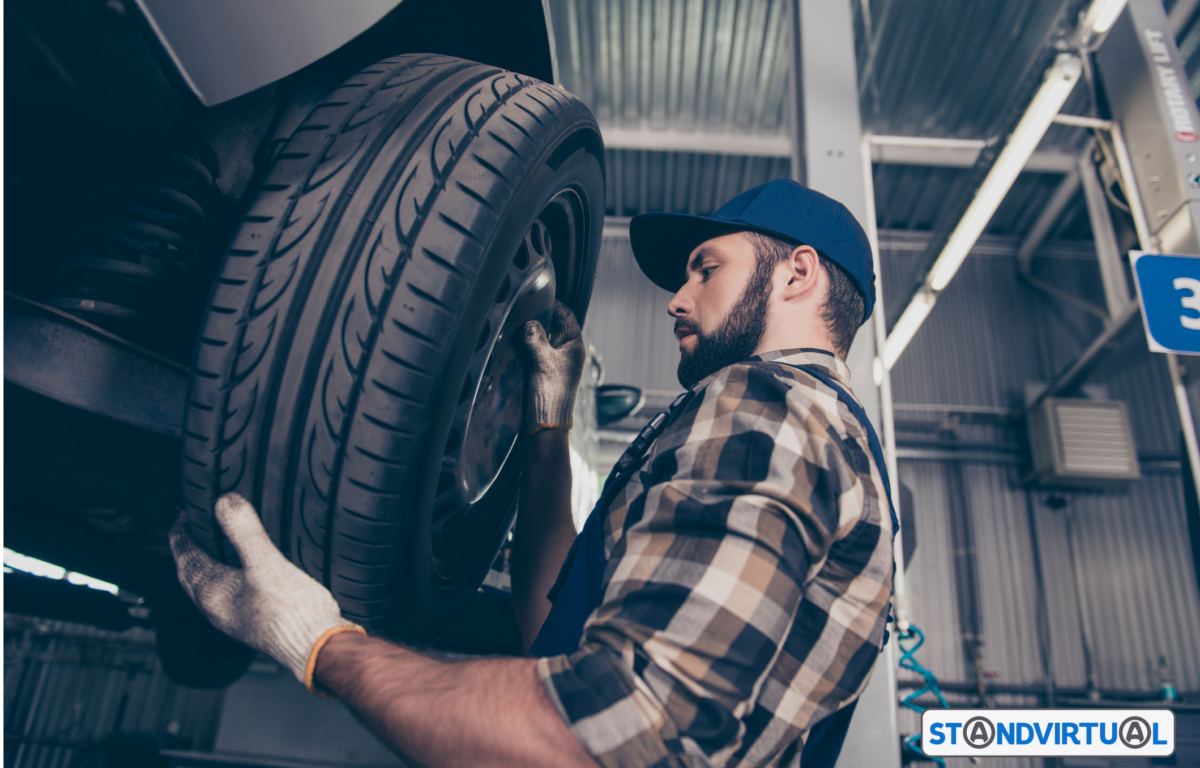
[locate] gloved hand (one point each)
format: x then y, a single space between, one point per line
555 373
268 603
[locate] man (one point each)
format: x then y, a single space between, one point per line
734 577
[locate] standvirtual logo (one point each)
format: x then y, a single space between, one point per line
1048 732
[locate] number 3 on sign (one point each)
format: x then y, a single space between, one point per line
1168 287
1189 302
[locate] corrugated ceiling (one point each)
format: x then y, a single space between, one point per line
716 65
945 69
927 68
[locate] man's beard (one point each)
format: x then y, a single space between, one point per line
736 338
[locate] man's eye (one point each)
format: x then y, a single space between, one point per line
707 271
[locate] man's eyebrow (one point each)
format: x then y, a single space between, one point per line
707 250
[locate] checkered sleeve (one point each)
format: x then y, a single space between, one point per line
743 499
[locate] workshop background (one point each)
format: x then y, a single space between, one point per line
1026 596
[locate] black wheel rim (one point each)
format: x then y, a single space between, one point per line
476 487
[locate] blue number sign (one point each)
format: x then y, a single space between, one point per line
1169 289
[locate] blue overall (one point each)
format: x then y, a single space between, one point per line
579 589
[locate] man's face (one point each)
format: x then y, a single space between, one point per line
721 311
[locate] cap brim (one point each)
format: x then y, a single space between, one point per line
662 243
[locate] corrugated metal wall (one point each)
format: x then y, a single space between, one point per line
68 686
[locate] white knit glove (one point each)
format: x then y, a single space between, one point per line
268 603
555 373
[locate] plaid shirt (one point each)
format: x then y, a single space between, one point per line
748 578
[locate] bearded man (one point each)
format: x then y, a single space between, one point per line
725 601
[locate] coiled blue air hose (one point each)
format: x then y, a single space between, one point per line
931 686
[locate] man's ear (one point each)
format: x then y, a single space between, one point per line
803 272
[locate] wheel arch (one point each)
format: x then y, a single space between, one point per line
510 34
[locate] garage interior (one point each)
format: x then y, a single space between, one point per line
1029 593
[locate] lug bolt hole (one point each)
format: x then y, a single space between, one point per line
535 237
443 511
484 335
505 287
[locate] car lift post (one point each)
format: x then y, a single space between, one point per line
827 156
1155 127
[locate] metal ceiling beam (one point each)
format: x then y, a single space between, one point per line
670 140
889 150
61 357
1077 371
962 156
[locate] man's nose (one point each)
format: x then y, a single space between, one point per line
679 305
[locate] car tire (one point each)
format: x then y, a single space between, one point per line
355 375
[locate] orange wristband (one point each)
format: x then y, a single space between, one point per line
539 427
311 668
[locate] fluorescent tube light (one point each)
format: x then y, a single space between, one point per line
1060 79
19 562
1102 14
906 327
88 581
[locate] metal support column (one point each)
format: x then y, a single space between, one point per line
1149 243
827 156
827 134
883 378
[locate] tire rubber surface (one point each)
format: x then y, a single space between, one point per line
331 351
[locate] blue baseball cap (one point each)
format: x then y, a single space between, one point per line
781 208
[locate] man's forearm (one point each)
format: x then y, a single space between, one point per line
544 529
439 713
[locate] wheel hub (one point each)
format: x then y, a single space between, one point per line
488 420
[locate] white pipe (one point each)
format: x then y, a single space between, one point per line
1148 241
1082 121
886 415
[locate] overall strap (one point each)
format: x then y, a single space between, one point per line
579 588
